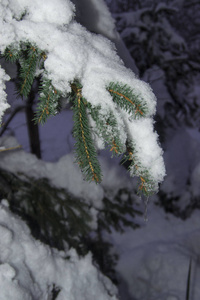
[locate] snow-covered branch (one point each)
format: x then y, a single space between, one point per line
47 42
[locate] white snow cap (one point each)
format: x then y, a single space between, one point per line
59 12
72 52
147 148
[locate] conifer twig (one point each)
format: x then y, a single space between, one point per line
49 103
79 96
11 148
27 74
127 99
85 149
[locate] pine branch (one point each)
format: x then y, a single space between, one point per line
85 149
48 102
125 97
109 125
30 58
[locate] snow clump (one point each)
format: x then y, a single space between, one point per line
30 269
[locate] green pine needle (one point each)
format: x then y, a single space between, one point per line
11 54
125 97
48 102
30 58
84 146
27 71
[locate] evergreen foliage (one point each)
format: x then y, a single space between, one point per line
28 63
125 97
85 149
11 54
49 101
30 58
94 124
107 129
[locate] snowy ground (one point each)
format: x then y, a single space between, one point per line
154 259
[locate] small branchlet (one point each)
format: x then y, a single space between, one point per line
29 57
146 185
11 54
28 60
85 150
127 99
48 103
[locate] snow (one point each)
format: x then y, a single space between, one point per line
3 102
182 156
96 17
30 269
141 131
156 77
39 12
